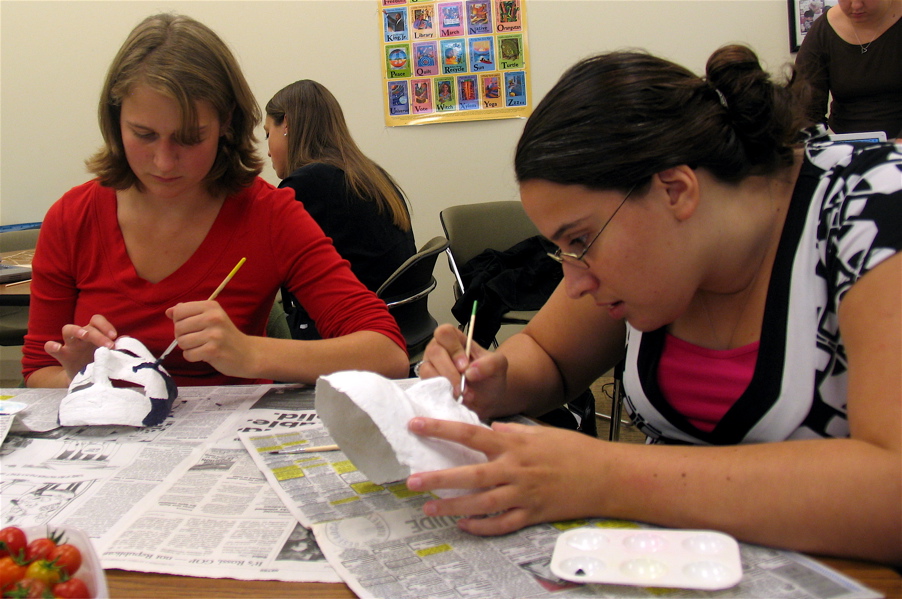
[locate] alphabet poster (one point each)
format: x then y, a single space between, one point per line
454 60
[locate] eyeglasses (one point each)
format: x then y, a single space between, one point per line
577 260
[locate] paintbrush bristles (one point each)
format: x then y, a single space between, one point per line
168 350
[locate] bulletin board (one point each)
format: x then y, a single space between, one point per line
459 60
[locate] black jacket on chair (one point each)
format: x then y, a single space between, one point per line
519 278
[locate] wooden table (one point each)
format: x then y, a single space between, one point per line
159 586
16 294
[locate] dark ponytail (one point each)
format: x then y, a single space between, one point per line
764 116
616 119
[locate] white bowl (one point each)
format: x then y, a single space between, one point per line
90 571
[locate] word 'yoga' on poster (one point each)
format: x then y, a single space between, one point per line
459 60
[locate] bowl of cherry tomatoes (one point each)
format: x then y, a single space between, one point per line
49 561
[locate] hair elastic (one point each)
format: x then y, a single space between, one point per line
723 98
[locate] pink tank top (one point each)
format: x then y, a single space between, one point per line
703 384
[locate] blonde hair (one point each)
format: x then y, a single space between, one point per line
185 60
317 132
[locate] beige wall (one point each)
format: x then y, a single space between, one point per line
55 54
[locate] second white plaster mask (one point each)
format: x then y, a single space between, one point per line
122 386
367 415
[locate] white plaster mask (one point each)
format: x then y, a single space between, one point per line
367 415
122 386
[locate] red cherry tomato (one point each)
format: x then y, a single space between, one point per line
44 571
12 541
39 549
29 588
74 588
67 558
10 572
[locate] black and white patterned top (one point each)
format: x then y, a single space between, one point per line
845 218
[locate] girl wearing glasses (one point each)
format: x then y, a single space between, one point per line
752 284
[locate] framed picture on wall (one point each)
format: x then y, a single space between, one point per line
802 13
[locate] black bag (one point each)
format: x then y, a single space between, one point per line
577 415
519 278
522 277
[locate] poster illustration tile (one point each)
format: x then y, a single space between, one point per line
454 60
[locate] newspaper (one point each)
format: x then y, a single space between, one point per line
182 498
8 410
318 487
404 554
6 423
382 545
190 497
42 411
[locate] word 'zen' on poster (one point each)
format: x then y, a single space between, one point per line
463 60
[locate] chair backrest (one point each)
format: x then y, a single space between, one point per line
14 318
19 237
277 323
406 293
474 228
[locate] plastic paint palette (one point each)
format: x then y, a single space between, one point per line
11 407
690 559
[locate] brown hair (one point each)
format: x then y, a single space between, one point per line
317 132
183 59
614 120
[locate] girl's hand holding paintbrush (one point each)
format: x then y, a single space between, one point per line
203 330
485 371
206 333
79 342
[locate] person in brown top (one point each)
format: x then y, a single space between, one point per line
855 54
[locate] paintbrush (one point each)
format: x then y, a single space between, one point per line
463 378
212 297
303 449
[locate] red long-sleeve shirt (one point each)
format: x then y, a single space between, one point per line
81 267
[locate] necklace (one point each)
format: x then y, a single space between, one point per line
864 47
880 20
